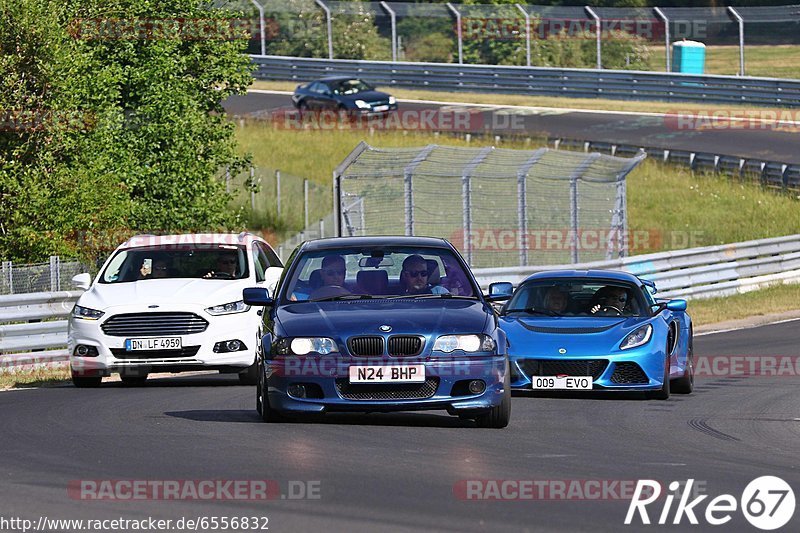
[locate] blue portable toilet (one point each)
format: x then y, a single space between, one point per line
688 57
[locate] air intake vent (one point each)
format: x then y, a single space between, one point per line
153 324
366 346
405 345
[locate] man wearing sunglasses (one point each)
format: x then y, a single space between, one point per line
333 271
610 300
225 268
414 277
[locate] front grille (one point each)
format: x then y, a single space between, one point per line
152 324
387 391
186 351
584 367
366 346
565 331
628 373
405 345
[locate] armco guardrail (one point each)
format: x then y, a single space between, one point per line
28 334
540 81
692 273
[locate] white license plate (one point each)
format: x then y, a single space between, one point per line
380 108
388 374
561 382
153 343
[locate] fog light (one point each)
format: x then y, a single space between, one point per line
233 346
82 350
298 391
476 386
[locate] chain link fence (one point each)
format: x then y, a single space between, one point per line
500 207
55 275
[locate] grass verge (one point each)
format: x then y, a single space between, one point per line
36 377
772 61
774 299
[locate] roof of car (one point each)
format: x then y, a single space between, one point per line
338 78
616 275
138 241
378 240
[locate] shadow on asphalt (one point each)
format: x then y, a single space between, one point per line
593 395
348 419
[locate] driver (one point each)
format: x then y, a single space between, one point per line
225 266
610 297
333 271
414 277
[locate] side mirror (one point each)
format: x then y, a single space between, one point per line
676 305
82 281
258 296
502 290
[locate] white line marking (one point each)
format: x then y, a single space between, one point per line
714 332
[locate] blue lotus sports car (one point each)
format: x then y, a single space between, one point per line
380 324
597 330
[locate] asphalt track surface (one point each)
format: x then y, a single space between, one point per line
397 472
752 141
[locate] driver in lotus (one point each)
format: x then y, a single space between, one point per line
610 299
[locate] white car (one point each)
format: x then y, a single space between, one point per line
171 304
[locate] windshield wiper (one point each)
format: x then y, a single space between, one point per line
429 296
532 311
343 297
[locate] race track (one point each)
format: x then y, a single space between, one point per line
620 128
398 471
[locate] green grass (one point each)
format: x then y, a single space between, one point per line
757 303
773 61
39 377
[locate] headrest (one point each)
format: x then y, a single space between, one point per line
434 277
315 279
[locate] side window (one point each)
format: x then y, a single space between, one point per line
258 264
271 258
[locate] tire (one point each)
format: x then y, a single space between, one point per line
133 381
267 413
498 417
249 376
685 383
663 392
84 382
303 109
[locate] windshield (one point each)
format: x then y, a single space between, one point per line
577 297
207 261
352 87
379 273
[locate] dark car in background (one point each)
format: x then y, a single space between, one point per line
343 94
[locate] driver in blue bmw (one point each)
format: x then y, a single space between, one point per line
414 277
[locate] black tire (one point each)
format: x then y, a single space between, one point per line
685 383
84 382
267 413
302 107
249 376
663 392
498 417
133 381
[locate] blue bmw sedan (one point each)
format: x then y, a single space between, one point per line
597 330
380 324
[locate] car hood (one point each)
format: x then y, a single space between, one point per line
578 336
367 96
205 292
362 317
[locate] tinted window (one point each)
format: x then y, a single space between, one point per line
353 86
378 272
208 261
577 297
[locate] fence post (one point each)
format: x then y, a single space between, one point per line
305 203
740 20
261 24
527 33
466 197
54 273
278 190
393 17
8 267
252 188
321 228
459 33
666 37
522 204
599 44
573 203
330 27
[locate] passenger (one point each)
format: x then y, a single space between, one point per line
333 271
556 300
455 281
158 268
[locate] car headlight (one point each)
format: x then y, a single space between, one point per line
467 343
361 104
85 313
637 338
306 345
228 309
392 100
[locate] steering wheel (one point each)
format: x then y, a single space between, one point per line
606 309
222 275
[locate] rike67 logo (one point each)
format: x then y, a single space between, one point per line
767 502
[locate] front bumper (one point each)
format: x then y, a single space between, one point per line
198 353
641 369
322 374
